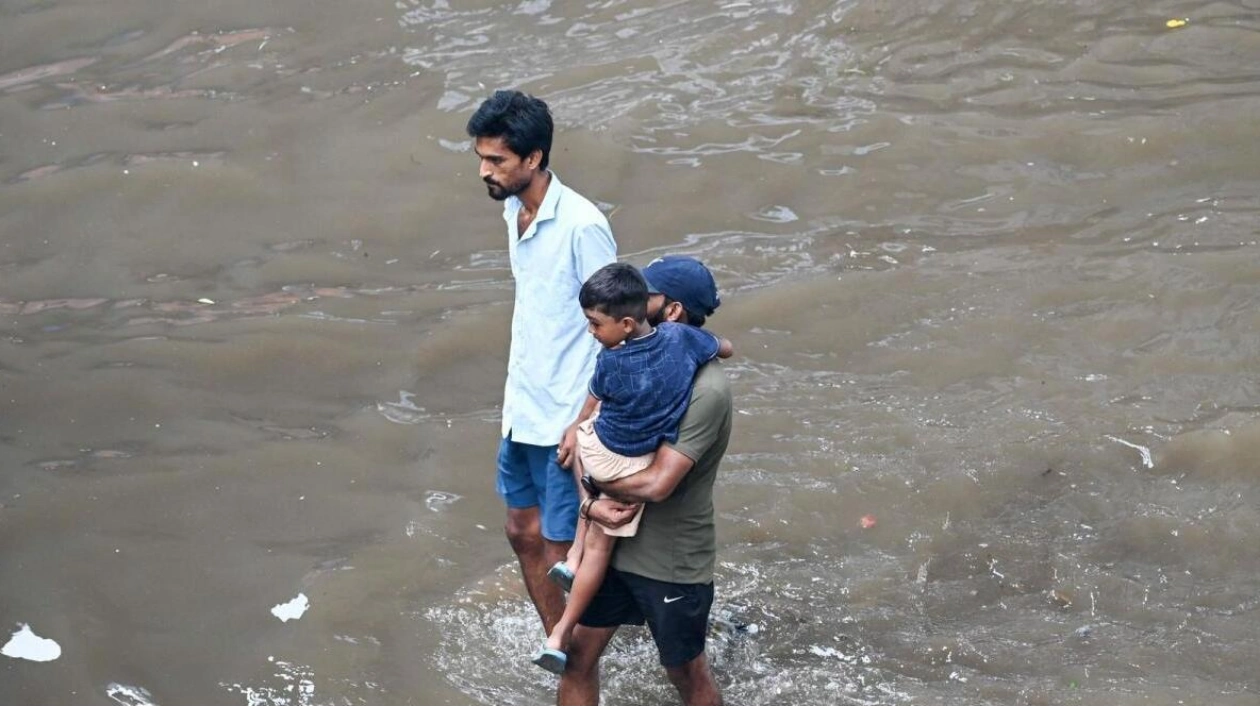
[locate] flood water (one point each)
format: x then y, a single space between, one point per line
990 267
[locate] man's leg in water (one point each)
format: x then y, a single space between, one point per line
536 555
678 616
579 685
695 682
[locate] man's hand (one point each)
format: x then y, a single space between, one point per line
613 514
567 449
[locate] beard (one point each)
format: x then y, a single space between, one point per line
657 317
500 192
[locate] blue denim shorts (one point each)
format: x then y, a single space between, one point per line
529 476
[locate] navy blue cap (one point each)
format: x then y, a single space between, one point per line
685 280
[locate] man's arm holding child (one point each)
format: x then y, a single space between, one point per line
653 484
701 427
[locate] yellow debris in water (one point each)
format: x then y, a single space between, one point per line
1175 23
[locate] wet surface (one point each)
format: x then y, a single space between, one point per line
991 270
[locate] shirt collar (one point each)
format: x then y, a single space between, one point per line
640 339
546 210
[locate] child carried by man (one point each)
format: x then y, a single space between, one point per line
641 387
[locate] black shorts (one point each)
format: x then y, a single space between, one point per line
676 614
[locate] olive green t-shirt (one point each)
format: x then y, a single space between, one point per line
676 541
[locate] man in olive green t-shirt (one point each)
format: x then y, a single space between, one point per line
663 575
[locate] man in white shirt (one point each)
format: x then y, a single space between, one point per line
556 240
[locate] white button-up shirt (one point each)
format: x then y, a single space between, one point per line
552 355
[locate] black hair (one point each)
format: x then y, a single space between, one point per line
618 290
694 319
524 122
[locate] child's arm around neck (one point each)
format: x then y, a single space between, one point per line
725 348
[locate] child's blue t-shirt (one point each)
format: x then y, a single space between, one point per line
644 385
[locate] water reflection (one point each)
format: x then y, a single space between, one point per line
989 267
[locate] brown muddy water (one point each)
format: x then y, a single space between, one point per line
991 268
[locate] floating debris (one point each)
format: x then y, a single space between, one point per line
292 609
26 645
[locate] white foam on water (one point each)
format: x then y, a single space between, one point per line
775 214
292 609
439 501
455 146
486 635
403 412
1146 453
296 686
26 645
128 694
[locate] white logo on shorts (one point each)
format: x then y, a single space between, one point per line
671 600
